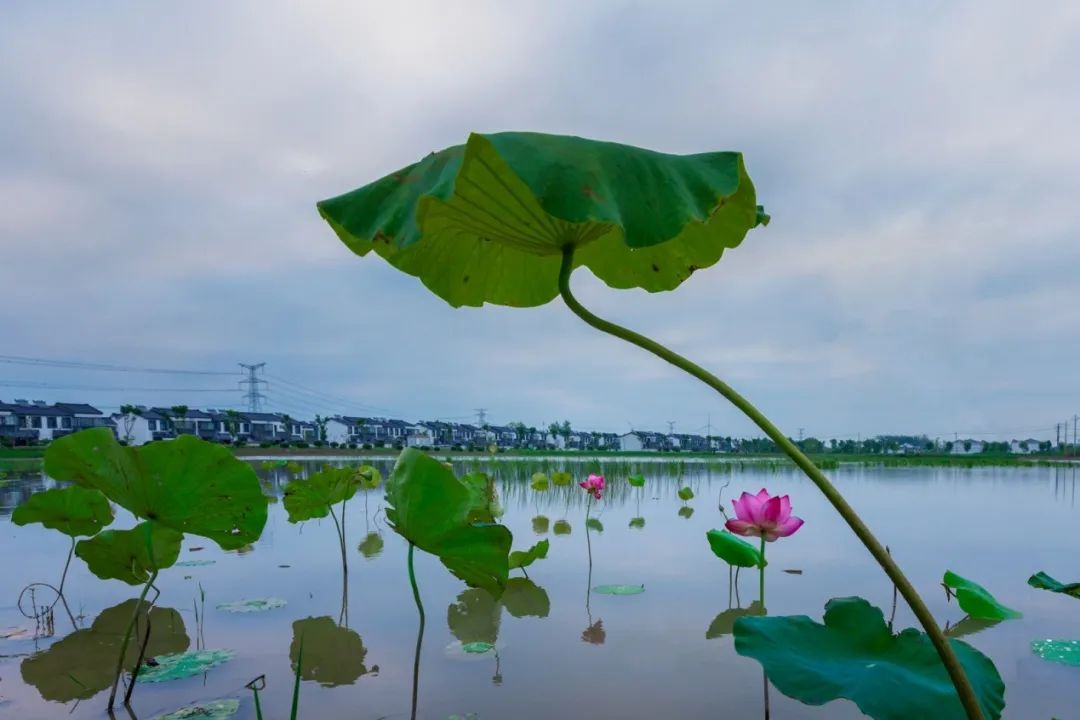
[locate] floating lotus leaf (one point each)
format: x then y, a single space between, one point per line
1066 652
1043 581
477 648
186 484
82 664
561 527
637 523
733 550
540 525
194 563
430 508
525 558
487 221
252 606
724 623
312 497
184 665
74 511
636 480
125 555
855 656
594 524
333 655
371 546
686 494
976 600
561 479
619 589
217 710
524 598
540 482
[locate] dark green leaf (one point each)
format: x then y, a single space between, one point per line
524 598
562 527
368 477
371 546
637 523
724 623
976 601
686 494
333 655
540 525
485 498
73 511
855 656
733 550
486 221
969 626
594 524
1043 581
124 554
312 498
82 664
186 484
525 558
637 480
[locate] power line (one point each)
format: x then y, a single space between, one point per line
80 365
99 388
344 402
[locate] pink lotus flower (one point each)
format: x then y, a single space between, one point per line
763 516
594 484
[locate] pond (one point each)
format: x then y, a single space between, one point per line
559 650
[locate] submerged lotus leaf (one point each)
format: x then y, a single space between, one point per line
976 600
594 524
125 554
371 546
637 523
525 558
187 484
487 221
1066 652
1043 581
562 527
724 623
524 598
636 480
312 498
540 482
82 664
216 710
561 479
333 655
540 525
619 589
430 507
74 511
252 606
685 494
183 665
733 550
854 655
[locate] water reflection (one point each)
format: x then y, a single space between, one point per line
724 623
333 655
540 525
371 546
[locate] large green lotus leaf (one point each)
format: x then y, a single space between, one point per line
125 555
178 666
311 498
187 484
733 550
1039 580
976 600
855 656
72 510
487 221
82 664
333 655
724 623
525 558
430 507
474 617
524 598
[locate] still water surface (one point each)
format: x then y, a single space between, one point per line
576 655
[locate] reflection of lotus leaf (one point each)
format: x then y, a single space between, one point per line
637 523
686 512
1066 652
183 665
73 511
540 482
970 626
854 655
636 480
562 527
976 600
82 664
217 710
524 598
724 623
540 525
251 606
474 617
619 589
371 546
561 479
595 634
595 525
333 655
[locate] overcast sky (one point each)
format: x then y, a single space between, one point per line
921 163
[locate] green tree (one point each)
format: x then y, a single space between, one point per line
232 423
320 423
129 413
179 412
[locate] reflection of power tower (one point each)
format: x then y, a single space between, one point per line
252 396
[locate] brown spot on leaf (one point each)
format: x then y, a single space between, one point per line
465 279
692 269
655 268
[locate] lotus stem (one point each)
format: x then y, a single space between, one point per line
63 576
588 544
964 689
419 633
761 575
127 639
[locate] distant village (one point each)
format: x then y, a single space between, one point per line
24 422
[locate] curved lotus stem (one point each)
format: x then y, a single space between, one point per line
952 664
419 633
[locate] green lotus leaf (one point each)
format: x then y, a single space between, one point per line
178 666
477 648
333 655
540 525
82 664
194 563
1039 580
371 546
733 550
252 606
430 508
637 480
487 221
74 511
724 623
976 600
186 484
619 589
124 554
686 494
368 476
475 617
525 558
1066 652
485 498
216 710
292 467
561 527
686 512
855 656
561 479
594 524
637 523
969 626
540 482
312 498
524 598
